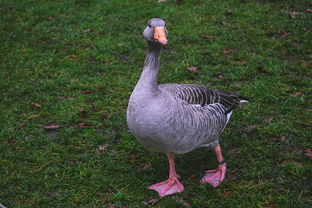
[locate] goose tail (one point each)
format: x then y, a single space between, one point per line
242 101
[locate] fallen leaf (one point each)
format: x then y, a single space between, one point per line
289 148
93 106
224 23
36 105
268 204
283 139
261 69
226 193
308 152
113 151
52 127
235 84
144 165
307 123
283 32
192 69
150 202
194 178
83 125
19 126
296 94
86 31
50 18
229 12
294 163
273 139
309 10
71 56
292 14
102 88
52 133
83 110
233 176
52 194
251 127
227 51
12 142
132 156
298 164
233 151
208 37
271 36
268 119
87 91
161 1
219 76
102 147
33 116
296 45
181 201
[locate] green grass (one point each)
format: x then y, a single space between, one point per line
53 51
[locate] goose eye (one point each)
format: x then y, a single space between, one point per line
150 25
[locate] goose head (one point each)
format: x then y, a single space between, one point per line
156 31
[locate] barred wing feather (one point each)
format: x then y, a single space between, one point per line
200 95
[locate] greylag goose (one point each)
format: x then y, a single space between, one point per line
177 118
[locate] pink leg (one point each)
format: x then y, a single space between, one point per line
215 177
170 186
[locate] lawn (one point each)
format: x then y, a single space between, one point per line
67 69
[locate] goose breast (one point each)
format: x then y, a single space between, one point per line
168 124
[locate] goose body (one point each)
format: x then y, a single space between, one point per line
179 118
176 118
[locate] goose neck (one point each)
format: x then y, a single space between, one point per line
149 77
152 59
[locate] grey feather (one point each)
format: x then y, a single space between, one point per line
176 118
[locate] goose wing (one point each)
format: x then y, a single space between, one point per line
201 95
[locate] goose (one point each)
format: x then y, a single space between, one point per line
177 118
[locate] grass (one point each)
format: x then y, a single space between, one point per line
74 64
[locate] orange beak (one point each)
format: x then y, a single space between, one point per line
160 35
